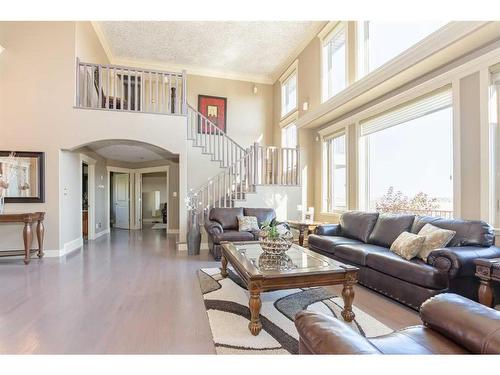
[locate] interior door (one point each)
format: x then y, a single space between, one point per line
121 200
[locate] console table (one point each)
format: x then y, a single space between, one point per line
488 271
27 219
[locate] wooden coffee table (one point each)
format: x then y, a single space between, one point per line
300 268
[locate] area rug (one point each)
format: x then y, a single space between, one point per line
226 302
159 226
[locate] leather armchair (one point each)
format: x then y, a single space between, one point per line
452 324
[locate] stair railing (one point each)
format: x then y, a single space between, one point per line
205 134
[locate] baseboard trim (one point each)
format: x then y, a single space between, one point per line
68 248
182 246
101 233
173 231
71 246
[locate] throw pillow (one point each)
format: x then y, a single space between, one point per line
435 238
247 224
407 245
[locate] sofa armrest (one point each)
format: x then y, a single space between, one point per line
468 323
459 261
328 230
213 227
321 334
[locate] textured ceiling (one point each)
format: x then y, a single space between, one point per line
130 151
238 48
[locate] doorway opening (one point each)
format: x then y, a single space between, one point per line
154 199
85 201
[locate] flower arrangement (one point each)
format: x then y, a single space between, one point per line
7 171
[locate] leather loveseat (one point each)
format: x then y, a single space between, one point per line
222 225
452 324
363 239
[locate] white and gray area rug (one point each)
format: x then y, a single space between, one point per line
226 301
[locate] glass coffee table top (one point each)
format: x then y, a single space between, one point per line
296 258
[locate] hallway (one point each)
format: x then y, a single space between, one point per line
130 292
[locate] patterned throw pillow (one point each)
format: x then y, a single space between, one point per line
247 223
435 238
407 245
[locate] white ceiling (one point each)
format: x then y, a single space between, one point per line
130 151
253 51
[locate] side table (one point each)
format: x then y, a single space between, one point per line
303 227
488 271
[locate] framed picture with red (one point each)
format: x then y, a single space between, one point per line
215 109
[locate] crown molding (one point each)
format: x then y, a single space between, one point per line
195 70
103 41
313 33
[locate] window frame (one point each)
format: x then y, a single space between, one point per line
363 178
292 70
330 31
328 192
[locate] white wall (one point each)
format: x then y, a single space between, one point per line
284 199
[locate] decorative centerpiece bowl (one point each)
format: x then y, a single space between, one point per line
275 239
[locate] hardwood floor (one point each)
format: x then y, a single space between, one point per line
130 292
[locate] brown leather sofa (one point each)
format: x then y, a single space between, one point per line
222 225
452 324
363 239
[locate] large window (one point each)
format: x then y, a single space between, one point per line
289 136
335 173
334 62
408 158
289 94
495 147
379 42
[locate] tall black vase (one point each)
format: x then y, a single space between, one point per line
193 234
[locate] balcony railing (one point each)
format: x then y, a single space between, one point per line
121 88
437 213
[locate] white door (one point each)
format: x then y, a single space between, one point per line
121 200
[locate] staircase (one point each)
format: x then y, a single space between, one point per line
244 168
129 89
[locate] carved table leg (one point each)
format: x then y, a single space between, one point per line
348 296
27 238
255 325
223 270
39 234
485 293
301 235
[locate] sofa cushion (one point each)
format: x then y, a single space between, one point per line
262 214
388 227
247 223
356 253
328 243
434 238
227 217
407 245
358 225
468 232
233 236
414 271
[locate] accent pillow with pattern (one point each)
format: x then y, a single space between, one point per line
407 245
435 238
248 224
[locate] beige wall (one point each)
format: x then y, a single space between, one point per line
249 115
41 105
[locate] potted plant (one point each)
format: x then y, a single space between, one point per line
275 238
